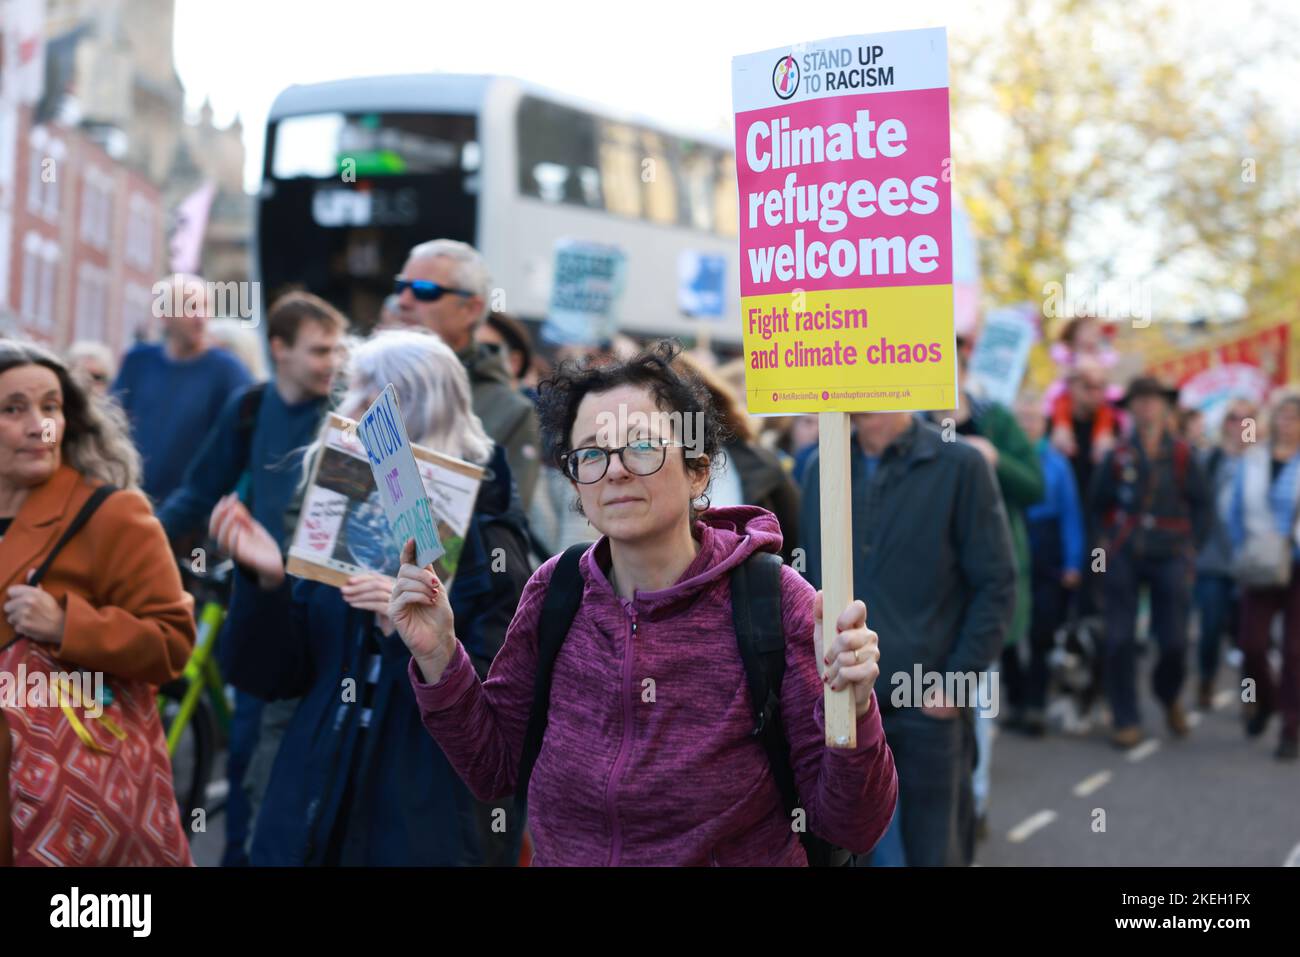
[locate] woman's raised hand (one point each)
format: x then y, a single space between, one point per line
247 541
420 610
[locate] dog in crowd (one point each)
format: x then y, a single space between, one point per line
1075 666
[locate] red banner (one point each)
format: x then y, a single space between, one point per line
1266 350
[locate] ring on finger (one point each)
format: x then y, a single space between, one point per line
857 655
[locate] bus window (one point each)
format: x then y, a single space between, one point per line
659 181
307 146
589 177
555 144
570 156
726 204
413 177
620 169
696 168
550 179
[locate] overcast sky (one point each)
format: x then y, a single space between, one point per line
672 62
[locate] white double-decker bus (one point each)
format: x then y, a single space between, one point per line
358 171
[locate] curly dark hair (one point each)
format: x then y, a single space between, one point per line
675 390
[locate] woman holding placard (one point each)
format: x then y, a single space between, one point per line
357 782
621 705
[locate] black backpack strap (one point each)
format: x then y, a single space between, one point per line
760 636
249 403
559 608
756 616
245 425
82 517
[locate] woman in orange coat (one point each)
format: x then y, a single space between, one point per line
90 781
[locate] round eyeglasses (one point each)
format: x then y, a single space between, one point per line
589 464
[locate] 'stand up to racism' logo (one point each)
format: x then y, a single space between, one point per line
785 77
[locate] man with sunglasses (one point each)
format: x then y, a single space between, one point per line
443 287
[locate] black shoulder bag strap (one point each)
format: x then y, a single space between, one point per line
79 520
760 636
559 608
82 517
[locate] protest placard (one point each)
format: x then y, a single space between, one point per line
844 176
343 529
585 293
701 283
843 169
997 363
383 434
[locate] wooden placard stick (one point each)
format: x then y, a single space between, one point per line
837 563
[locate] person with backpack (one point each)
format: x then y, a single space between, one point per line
1264 523
357 782
93 605
658 698
1152 506
255 446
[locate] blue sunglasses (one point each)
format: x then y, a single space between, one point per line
425 291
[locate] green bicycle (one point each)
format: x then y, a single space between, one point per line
195 710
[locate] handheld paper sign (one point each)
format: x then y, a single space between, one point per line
383 435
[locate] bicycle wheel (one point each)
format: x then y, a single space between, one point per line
195 752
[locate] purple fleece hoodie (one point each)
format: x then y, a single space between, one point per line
673 777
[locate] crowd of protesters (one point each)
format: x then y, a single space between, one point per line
1008 546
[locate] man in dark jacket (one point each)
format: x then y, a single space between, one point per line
444 287
1151 504
932 559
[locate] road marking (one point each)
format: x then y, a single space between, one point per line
1193 718
1026 828
1293 859
1144 750
1223 698
1091 784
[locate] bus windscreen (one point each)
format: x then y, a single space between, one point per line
346 196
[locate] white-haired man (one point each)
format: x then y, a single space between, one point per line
444 288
